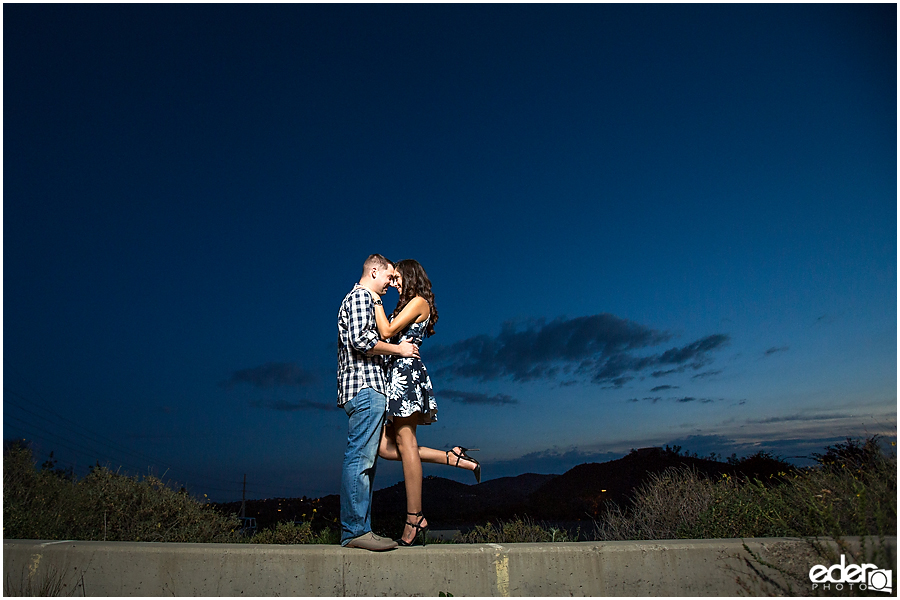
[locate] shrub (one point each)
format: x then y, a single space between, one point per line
42 504
740 508
660 507
512 532
836 499
287 532
853 492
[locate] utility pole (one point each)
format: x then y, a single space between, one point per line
244 498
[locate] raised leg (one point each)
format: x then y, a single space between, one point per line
387 449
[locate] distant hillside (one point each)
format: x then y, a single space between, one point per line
449 503
577 495
581 492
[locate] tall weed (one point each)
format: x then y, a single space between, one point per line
287 532
512 532
661 507
104 505
853 497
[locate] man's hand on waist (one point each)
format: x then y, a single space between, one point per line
408 350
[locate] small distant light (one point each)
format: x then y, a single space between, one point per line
602 490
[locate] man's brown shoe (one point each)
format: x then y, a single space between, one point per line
368 541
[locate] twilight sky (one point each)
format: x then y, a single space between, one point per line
645 225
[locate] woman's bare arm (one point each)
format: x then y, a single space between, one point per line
415 311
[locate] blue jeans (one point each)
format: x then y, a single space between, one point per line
366 411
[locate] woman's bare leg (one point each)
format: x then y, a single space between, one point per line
387 449
408 446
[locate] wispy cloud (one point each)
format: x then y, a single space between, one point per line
706 374
477 398
272 375
285 406
797 450
798 417
660 388
775 350
694 356
678 400
603 348
688 399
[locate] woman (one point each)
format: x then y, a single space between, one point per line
409 395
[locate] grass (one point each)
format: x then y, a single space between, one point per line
51 581
513 532
287 532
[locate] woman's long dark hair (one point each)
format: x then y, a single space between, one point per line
415 283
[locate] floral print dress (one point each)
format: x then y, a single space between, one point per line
408 385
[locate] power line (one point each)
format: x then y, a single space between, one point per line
90 440
64 443
95 437
105 443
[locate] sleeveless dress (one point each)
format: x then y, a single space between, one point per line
408 385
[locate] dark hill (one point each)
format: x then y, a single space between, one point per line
581 492
450 504
520 486
576 496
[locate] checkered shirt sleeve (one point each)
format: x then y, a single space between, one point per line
357 335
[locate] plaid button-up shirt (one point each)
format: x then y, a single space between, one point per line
358 334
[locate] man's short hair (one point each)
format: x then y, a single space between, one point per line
376 260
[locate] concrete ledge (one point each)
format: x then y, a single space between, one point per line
645 568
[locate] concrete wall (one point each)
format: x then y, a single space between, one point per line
657 568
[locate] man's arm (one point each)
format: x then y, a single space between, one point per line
362 334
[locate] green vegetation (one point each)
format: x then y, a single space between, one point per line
57 581
852 492
49 504
287 532
513 532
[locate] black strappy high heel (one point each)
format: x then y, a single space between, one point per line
420 530
466 457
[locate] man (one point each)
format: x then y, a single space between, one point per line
361 392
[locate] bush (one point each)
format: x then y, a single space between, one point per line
287 532
512 532
45 504
660 507
839 499
853 492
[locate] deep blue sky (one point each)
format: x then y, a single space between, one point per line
645 225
